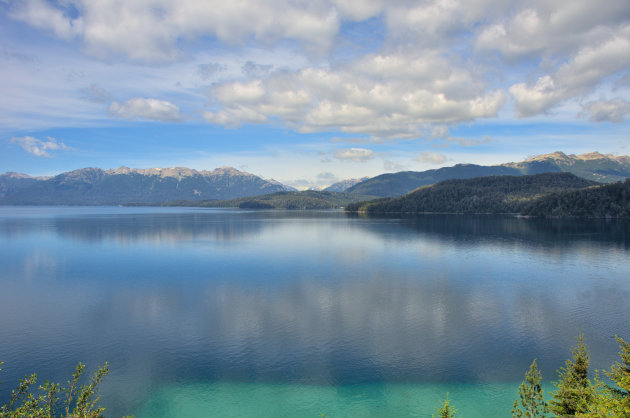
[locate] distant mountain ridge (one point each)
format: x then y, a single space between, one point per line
603 168
591 166
94 186
343 185
123 185
403 182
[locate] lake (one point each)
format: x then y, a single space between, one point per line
288 313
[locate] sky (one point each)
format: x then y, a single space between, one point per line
309 92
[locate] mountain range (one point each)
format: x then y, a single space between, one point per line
592 166
94 186
343 185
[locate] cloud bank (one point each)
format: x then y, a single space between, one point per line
429 67
384 96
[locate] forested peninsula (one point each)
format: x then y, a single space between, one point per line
307 199
542 195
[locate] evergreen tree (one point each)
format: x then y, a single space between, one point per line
574 391
80 401
532 399
446 410
615 400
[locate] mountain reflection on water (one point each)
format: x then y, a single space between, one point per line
234 225
304 297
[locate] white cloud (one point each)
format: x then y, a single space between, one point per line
242 93
39 147
583 73
439 131
234 117
558 28
384 96
356 155
150 31
439 22
141 108
431 158
42 15
615 110
437 63
537 98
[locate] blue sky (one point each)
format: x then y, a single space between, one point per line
309 92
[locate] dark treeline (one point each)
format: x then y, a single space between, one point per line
494 194
609 201
309 199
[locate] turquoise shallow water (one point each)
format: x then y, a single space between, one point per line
373 400
271 313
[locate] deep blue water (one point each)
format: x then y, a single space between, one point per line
214 301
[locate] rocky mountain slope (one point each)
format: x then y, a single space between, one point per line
12 182
603 168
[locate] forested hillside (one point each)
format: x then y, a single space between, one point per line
611 200
494 194
592 166
398 184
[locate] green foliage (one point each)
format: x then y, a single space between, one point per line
446 410
532 399
78 400
574 391
614 400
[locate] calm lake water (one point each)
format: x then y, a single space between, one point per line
273 313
